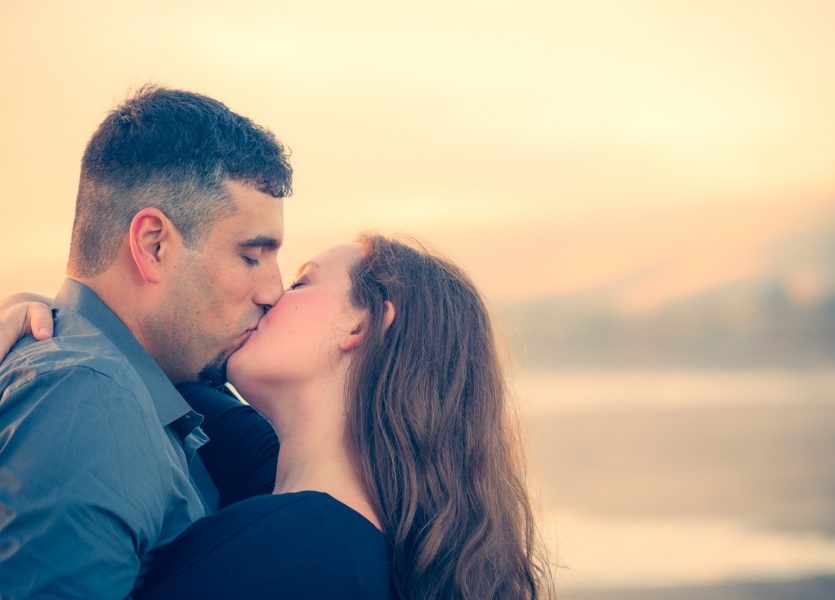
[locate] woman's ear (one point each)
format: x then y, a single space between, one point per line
354 338
357 334
388 316
149 230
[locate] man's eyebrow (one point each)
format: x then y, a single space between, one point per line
261 241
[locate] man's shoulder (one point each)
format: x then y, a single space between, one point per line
78 347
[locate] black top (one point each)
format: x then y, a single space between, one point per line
301 545
287 546
242 450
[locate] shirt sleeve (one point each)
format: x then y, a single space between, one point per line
77 512
242 451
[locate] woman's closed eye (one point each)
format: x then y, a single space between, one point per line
296 284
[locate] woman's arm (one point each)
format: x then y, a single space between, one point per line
242 452
22 314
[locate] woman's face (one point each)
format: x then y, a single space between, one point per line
299 339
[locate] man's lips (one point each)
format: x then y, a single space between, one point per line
247 334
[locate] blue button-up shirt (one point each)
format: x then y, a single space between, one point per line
95 452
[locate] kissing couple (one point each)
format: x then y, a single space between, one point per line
374 457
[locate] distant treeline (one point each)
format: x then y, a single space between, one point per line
735 326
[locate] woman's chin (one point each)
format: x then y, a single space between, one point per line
233 369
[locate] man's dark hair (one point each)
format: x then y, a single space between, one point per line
175 151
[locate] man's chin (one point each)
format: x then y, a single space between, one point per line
214 373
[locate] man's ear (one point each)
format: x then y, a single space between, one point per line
356 336
150 231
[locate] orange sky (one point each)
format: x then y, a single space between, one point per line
547 146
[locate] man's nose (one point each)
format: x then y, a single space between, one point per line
270 288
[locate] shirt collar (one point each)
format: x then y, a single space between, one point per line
170 405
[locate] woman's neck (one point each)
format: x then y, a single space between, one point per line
314 454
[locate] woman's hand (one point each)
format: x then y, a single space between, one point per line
21 315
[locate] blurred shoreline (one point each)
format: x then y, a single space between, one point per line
684 479
812 588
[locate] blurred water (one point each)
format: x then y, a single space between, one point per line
683 481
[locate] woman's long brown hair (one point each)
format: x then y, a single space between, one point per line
434 447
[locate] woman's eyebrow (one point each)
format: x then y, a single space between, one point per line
309 263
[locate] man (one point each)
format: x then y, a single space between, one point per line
172 264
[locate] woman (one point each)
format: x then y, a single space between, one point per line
398 474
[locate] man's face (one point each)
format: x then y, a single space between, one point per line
221 289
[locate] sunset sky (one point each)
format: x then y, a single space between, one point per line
547 146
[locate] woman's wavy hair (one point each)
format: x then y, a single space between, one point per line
432 437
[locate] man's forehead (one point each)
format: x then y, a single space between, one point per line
258 219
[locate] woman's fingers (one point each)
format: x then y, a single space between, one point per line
40 320
19 320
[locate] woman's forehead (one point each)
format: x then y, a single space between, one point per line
339 255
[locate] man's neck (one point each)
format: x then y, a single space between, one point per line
121 297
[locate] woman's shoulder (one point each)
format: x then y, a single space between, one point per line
306 515
298 545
